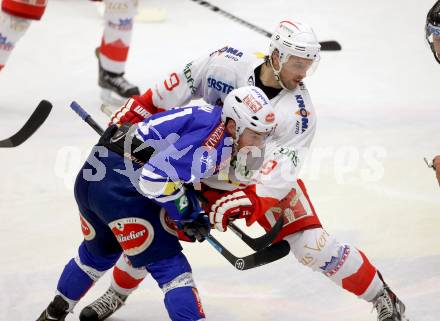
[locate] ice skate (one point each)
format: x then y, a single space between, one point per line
115 88
389 307
56 311
103 307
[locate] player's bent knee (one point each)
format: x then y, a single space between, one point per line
94 266
33 10
317 249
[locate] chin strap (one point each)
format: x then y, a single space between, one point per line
276 73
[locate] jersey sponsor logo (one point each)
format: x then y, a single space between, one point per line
229 52
270 118
219 85
133 234
167 223
87 228
252 103
215 136
303 113
260 96
289 153
189 79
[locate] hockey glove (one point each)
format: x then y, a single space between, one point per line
230 206
197 229
135 109
191 218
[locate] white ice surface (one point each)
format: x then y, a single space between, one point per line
381 91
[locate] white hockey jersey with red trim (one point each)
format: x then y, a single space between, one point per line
212 77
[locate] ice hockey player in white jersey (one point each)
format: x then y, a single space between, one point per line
294 53
16 17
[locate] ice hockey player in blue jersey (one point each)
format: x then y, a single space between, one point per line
120 193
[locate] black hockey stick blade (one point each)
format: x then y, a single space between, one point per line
261 242
330 45
267 255
37 118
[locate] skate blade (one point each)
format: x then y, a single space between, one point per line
112 99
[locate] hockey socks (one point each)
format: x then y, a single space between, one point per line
11 30
116 40
174 277
81 273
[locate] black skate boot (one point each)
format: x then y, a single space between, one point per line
103 307
56 311
389 307
115 88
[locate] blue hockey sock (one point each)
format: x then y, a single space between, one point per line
81 272
181 297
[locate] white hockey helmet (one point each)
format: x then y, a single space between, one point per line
296 39
250 108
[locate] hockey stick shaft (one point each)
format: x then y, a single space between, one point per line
330 45
86 117
264 256
260 242
34 122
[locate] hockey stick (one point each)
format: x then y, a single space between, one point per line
330 45
37 118
264 256
260 242
267 255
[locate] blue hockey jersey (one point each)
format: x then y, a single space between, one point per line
190 144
